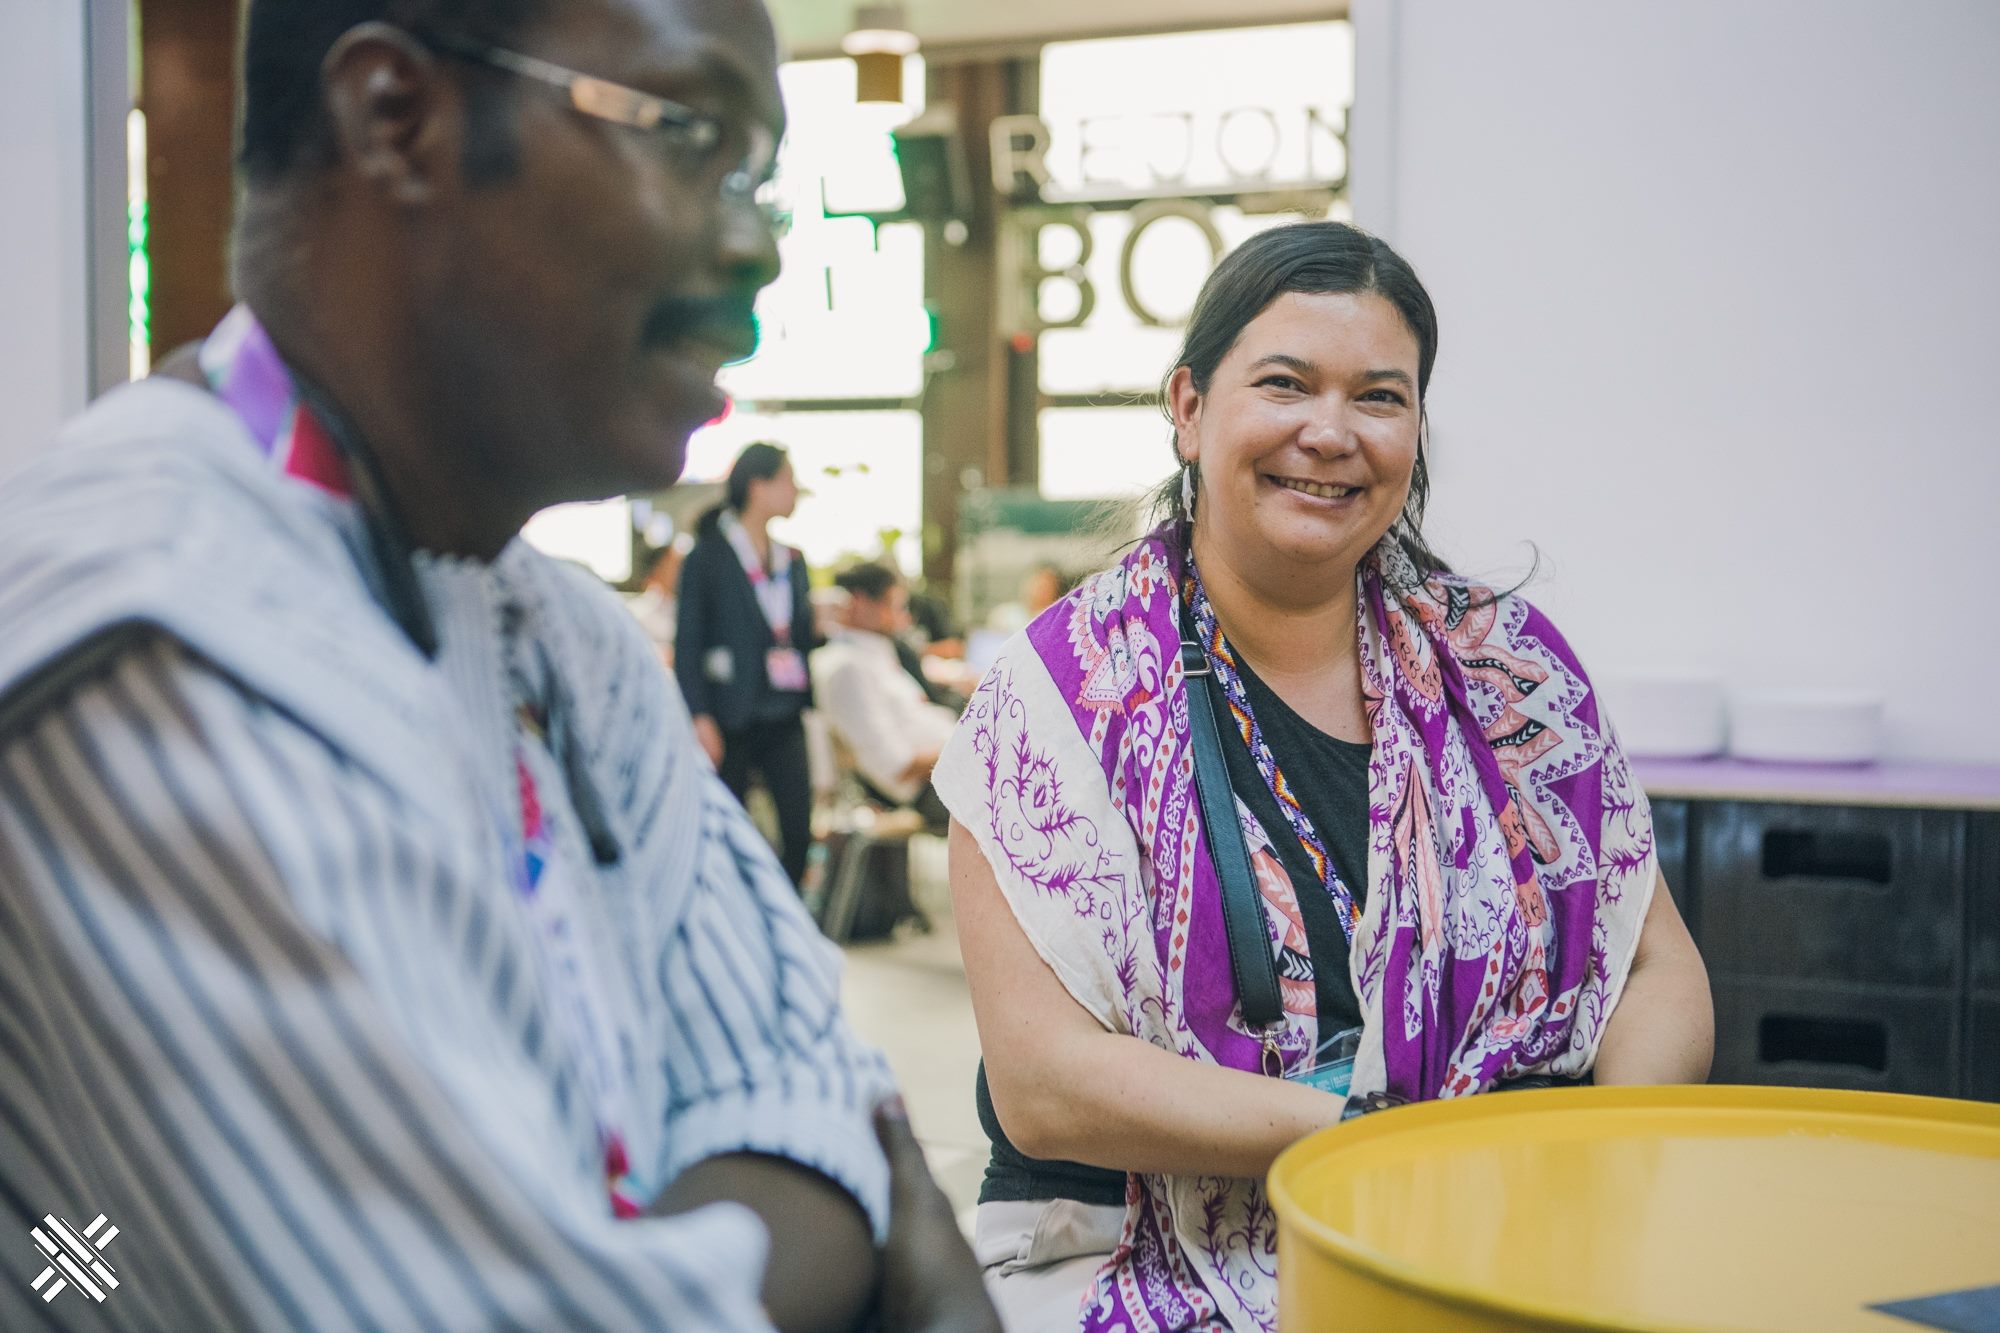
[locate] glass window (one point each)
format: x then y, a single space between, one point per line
845 319
1113 352
1198 108
1091 453
863 472
598 535
1138 115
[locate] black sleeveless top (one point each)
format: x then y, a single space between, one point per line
1330 778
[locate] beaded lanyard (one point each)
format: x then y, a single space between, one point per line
1222 662
579 1004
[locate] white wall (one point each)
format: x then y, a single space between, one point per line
46 223
1719 290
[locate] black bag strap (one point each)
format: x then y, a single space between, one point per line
1243 917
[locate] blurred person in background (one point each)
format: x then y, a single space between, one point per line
657 604
745 628
1043 588
933 650
1040 589
1446 872
829 607
875 705
376 948
932 623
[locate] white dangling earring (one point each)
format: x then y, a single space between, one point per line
1187 492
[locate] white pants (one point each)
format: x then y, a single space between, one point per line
1039 1256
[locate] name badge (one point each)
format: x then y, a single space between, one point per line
786 670
1333 1064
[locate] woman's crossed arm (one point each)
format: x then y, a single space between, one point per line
1066 1088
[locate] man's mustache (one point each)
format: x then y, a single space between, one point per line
726 321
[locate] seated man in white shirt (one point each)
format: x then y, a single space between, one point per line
875 707
656 605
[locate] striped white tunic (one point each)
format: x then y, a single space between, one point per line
268 997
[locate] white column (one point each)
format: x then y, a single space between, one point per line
61 213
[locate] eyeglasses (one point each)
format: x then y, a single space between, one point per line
740 157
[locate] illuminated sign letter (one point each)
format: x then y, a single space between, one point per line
1013 158
1262 171
1145 216
1321 130
1021 260
1171 175
1089 147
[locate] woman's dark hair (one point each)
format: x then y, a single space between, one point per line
758 462
1313 258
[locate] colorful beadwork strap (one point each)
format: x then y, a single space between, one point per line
1222 662
579 1007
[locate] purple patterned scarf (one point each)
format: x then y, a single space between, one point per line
1510 866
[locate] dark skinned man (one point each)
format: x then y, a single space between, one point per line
379 952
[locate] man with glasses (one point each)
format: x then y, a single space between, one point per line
376 951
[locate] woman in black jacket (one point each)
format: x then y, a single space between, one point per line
745 627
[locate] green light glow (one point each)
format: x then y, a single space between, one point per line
139 274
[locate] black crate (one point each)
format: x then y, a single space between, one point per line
1833 894
1672 821
1982 1047
1877 1039
1982 898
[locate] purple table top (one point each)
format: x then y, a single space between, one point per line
1930 785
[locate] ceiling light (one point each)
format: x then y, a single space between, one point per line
878 43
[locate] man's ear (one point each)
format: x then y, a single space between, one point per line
395 119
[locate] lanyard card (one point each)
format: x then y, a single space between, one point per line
1333 1064
786 670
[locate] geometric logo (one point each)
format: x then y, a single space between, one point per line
75 1256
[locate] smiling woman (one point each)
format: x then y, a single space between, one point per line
1427 871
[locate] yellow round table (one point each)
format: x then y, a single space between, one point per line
1656 1209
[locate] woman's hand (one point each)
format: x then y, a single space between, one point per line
1066 1088
1663 1030
710 737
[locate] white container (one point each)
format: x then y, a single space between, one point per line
1801 726
1667 717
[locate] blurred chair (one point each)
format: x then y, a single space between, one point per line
857 832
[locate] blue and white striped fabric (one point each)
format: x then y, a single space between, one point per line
267 999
